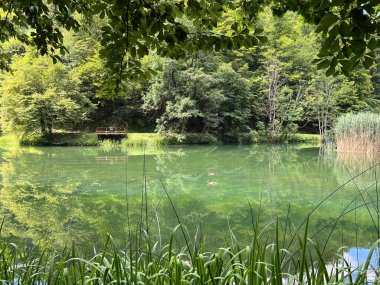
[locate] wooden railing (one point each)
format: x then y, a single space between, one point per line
111 131
112 159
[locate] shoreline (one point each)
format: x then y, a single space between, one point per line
148 139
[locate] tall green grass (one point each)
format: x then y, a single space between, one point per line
134 140
358 133
143 139
9 140
263 262
155 140
109 145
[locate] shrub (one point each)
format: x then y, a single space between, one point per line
304 138
61 139
9 139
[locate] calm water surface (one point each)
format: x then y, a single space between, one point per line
80 194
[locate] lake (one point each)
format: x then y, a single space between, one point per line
60 195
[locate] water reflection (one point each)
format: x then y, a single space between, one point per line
62 195
356 257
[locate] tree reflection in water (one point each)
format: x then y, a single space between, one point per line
64 195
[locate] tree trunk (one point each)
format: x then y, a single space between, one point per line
275 81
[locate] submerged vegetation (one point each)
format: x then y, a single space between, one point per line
358 133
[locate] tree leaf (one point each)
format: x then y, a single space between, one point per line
346 66
326 22
368 61
335 47
323 64
373 43
330 71
358 46
344 29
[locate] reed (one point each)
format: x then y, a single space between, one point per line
134 141
262 262
143 139
109 145
358 133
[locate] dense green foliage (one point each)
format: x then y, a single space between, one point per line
268 92
217 73
277 89
175 28
190 99
40 95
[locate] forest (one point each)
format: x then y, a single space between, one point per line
265 73
262 93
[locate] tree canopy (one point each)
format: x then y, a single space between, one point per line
40 96
212 81
132 29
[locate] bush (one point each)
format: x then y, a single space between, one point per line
61 139
304 138
189 138
194 138
251 138
34 139
9 139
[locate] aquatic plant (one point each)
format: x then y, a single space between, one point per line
109 145
358 133
143 139
261 262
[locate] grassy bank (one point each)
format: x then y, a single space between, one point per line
9 140
62 139
143 139
154 139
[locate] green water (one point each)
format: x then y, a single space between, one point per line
60 195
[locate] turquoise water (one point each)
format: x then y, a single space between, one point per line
60 195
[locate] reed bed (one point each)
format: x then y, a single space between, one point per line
133 140
143 139
358 133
